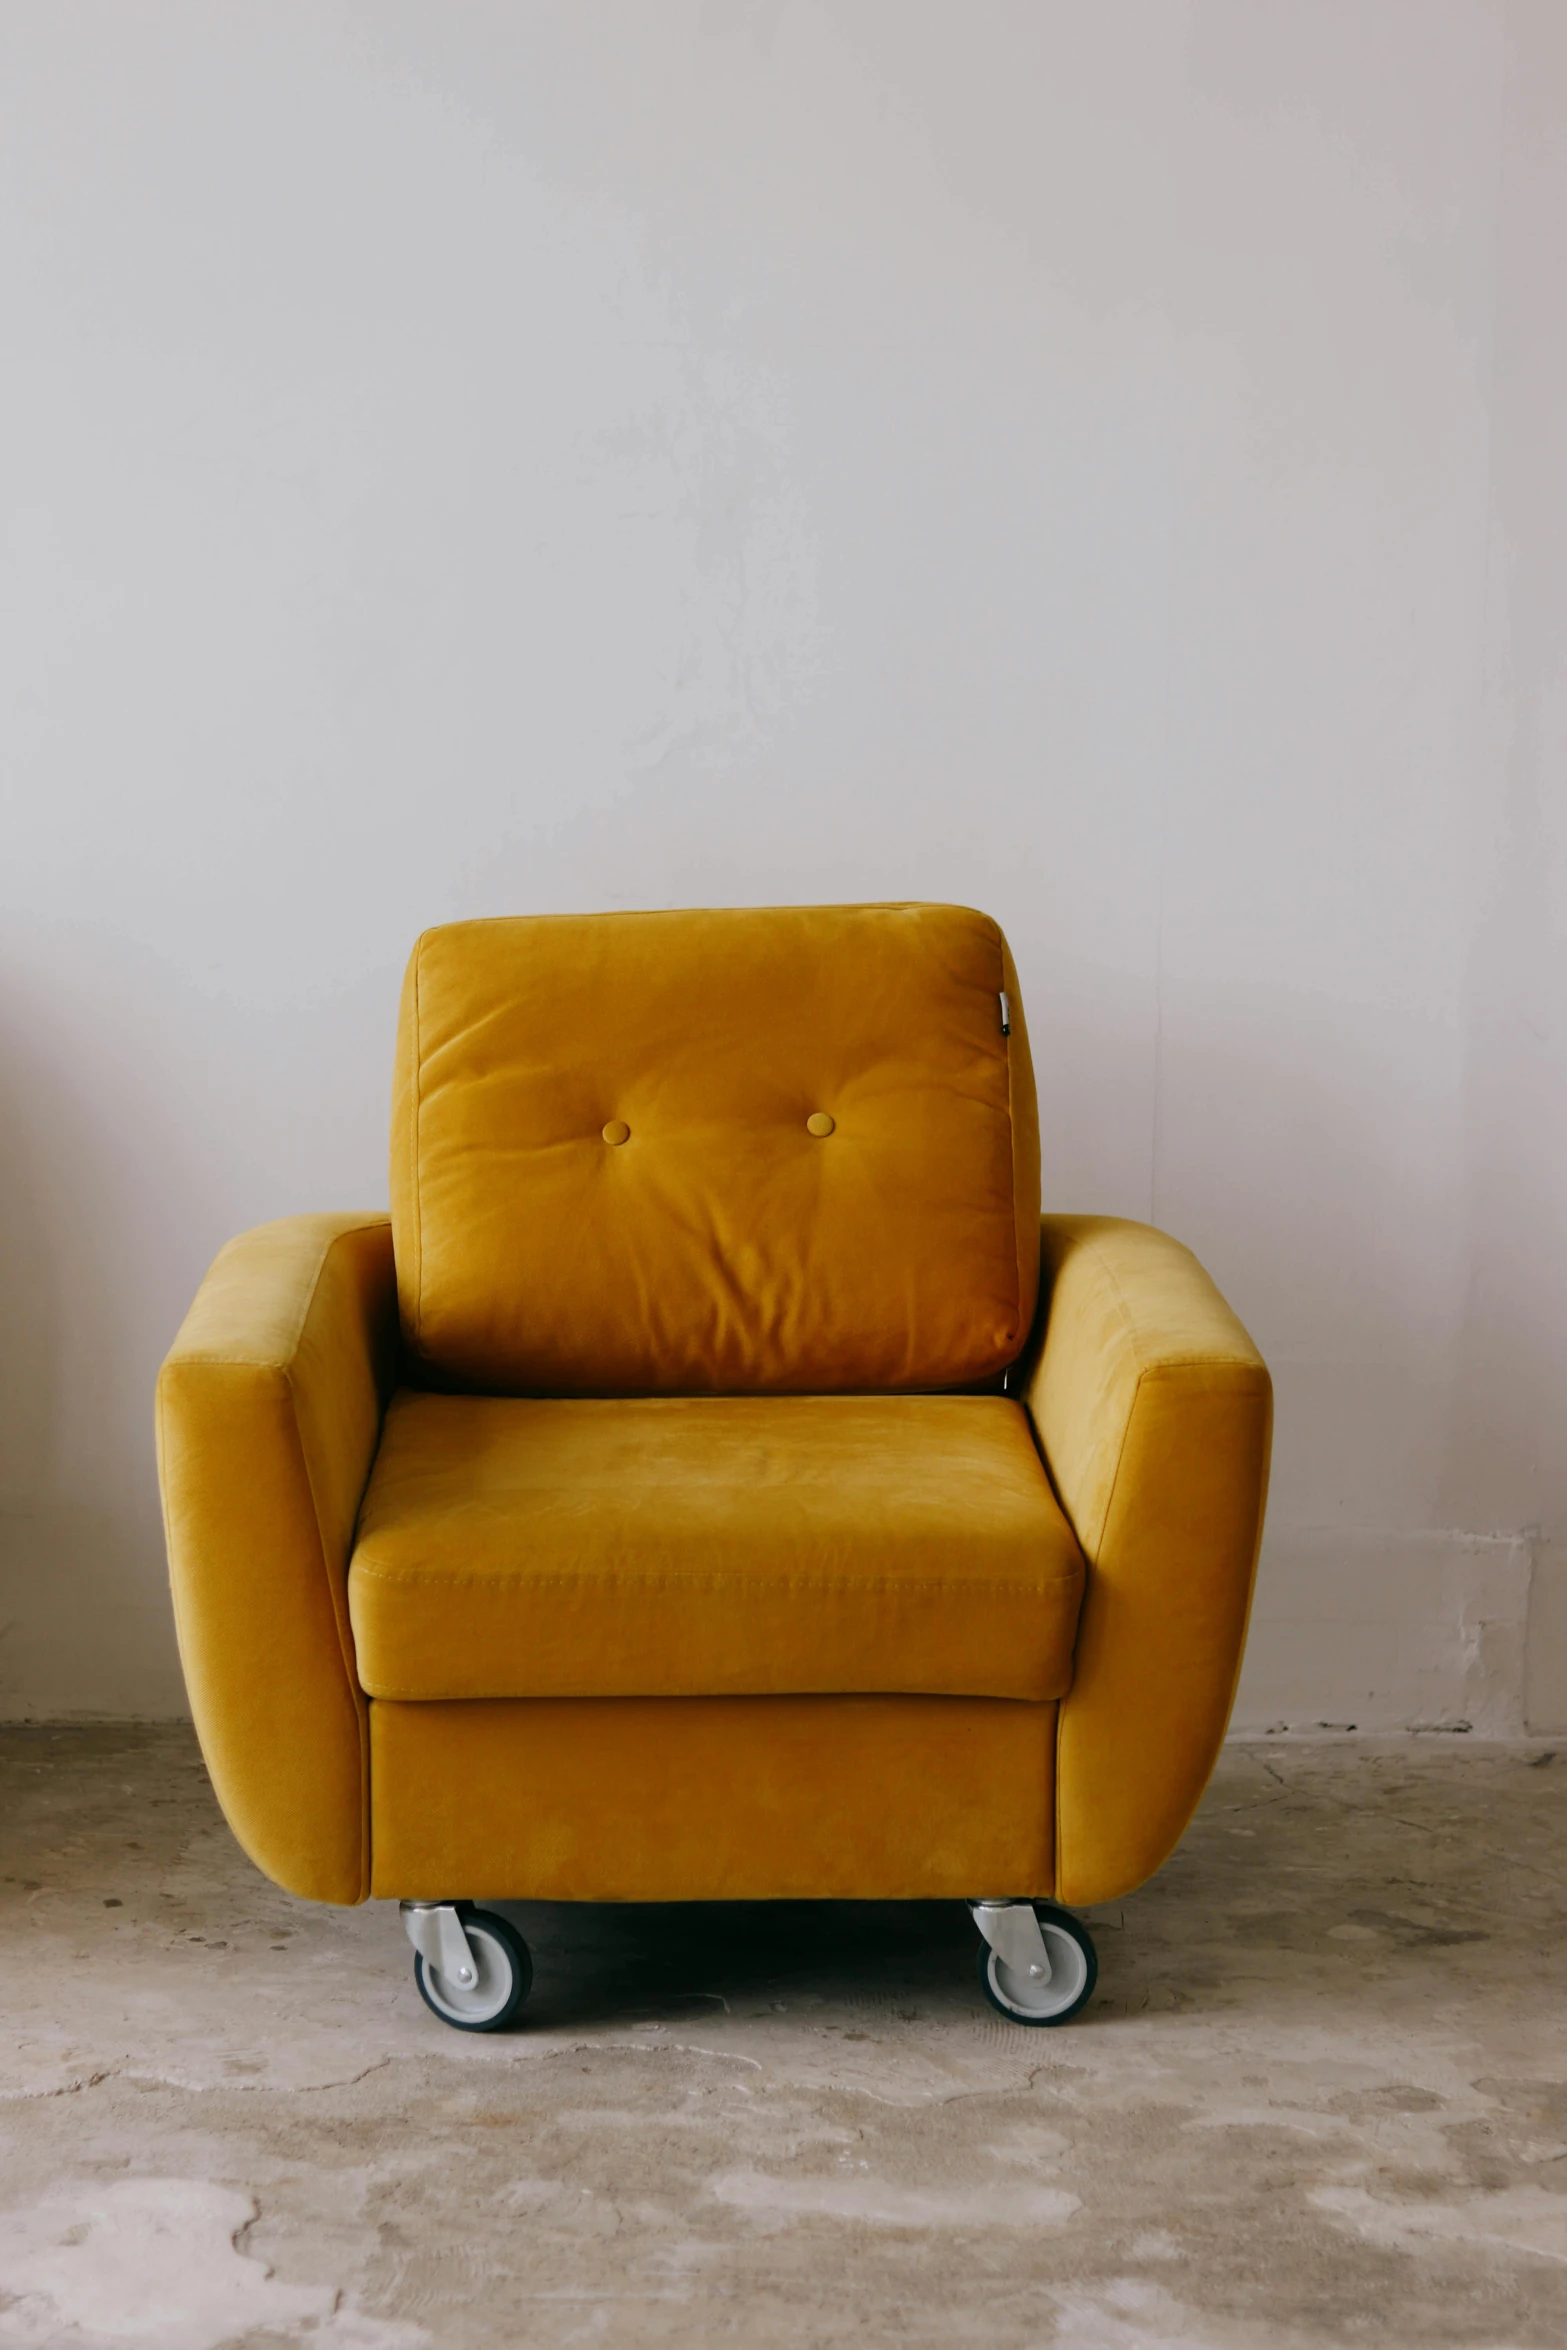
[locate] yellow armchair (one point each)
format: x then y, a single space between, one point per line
713 1481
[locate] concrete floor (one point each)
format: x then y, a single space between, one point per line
1320 2097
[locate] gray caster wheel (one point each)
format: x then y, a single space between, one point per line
497 1968
1013 1963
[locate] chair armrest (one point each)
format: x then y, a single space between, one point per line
1153 1411
269 1412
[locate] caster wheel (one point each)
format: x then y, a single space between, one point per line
1074 1970
505 1974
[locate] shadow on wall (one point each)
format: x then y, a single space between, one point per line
85 1626
1311 1152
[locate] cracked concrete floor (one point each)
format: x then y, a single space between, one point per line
1320 2097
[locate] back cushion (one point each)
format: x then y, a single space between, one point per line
610 1174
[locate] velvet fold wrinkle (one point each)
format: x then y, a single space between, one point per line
722 1246
1154 1412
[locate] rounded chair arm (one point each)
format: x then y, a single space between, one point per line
269 1412
1153 1411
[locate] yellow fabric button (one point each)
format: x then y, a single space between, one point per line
617 1131
819 1123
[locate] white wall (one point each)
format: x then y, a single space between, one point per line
1105 464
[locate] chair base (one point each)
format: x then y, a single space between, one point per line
713 1799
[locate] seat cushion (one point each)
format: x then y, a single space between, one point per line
711 1546
764 1150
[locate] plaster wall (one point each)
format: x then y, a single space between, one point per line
1104 465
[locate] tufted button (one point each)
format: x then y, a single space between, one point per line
819 1123
617 1131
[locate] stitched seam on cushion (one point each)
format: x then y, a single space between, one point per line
277 1363
492 1696
706 1579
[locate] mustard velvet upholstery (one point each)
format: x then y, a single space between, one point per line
269 1410
770 1150
711 1546
713 1798
709 1595
1154 1413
